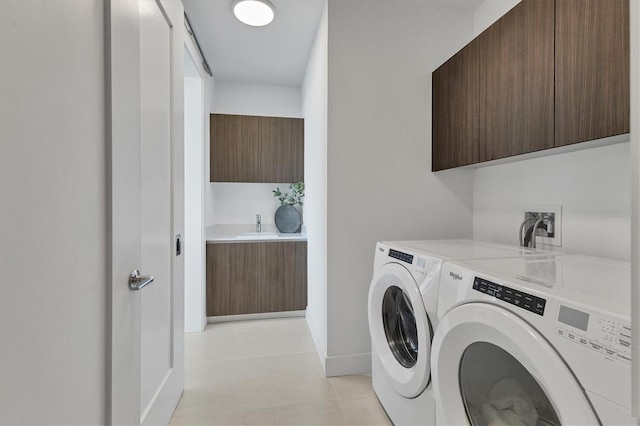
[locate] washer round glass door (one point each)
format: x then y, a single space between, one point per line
400 329
492 367
399 322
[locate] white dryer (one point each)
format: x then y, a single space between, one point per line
533 341
403 300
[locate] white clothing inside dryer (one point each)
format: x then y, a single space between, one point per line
509 404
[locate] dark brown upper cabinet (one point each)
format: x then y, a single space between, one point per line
455 110
550 73
281 149
256 149
516 81
234 148
592 70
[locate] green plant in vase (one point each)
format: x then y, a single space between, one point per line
287 218
297 194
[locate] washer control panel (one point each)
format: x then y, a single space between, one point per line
427 269
407 258
423 268
604 335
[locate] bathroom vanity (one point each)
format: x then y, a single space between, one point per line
249 272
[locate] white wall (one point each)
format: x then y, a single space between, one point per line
490 11
53 213
314 107
238 203
194 302
252 99
379 184
593 187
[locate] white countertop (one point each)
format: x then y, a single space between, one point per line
247 233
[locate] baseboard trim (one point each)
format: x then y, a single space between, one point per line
344 365
248 317
317 341
341 365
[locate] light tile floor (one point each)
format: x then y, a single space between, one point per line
267 372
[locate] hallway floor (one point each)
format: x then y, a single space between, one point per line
267 372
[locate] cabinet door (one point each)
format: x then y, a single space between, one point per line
516 81
455 110
235 151
592 70
282 276
247 278
296 280
231 279
281 149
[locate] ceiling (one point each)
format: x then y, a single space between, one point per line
276 54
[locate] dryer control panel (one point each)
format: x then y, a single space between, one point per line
598 333
515 297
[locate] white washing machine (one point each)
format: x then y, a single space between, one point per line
403 300
533 342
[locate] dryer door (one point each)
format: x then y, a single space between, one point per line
492 367
400 329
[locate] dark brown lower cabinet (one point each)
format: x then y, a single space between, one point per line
248 278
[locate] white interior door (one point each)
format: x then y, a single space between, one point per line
147 373
156 350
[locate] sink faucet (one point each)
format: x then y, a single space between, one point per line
258 222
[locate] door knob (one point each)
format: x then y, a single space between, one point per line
137 281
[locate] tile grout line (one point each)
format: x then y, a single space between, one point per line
211 341
249 357
183 417
344 416
285 404
276 405
269 407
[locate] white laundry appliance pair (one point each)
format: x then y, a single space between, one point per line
403 306
533 341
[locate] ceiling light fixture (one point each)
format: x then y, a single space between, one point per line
256 13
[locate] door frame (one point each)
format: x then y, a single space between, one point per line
199 316
634 10
122 89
